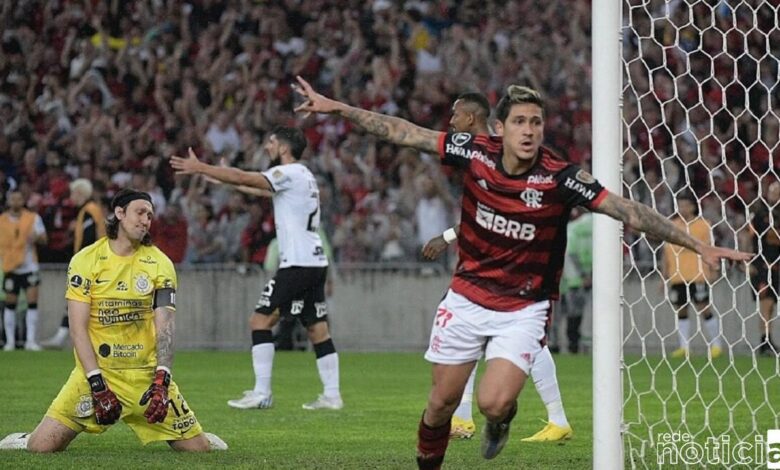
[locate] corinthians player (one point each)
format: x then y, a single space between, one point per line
298 289
121 294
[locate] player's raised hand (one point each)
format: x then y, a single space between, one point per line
185 166
313 101
711 255
434 247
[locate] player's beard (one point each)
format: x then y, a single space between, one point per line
276 161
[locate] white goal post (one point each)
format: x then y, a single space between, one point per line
607 249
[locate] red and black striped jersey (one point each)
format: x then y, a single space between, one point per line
513 227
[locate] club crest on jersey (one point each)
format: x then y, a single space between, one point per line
532 198
461 138
84 407
142 284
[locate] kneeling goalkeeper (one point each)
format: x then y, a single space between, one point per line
121 304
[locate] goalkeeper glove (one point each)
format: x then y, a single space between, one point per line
157 397
106 405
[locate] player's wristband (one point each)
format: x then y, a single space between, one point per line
162 376
449 235
96 382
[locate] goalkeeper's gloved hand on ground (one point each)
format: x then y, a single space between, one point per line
157 397
106 405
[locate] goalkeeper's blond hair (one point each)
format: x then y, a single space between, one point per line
517 94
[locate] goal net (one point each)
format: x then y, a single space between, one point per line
701 108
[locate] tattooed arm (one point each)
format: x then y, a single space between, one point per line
164 325
647 220
389 128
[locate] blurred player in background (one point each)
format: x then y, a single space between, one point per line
470 114
121 293
89 226
298 288
689 280
20 231
765 268
578 301
516 204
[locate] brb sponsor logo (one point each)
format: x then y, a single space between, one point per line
497 223
682 449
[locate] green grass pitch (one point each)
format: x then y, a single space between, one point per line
384 394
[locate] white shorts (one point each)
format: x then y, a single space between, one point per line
462 330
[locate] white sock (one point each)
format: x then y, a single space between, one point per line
328 367
543 373
61 334
464 409
32 324
684 331
711 327
263 363
9 323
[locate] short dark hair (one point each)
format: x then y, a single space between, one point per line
477 99
293 137
122 199
517 94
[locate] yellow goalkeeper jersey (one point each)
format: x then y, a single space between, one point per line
121 293
682 265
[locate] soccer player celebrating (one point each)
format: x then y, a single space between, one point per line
469 114
121 295
516 202
298 288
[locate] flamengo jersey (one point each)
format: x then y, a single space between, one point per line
120 291
513 228
297 216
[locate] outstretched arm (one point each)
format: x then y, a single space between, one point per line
243 189
234 176
389 128
647 220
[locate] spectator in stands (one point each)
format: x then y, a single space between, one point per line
104 94
173 225
89 226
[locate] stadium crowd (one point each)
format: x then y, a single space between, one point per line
107 90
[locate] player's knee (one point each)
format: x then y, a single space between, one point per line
494 407
39 445
442 404
198 443
443 400
318 332
260 321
